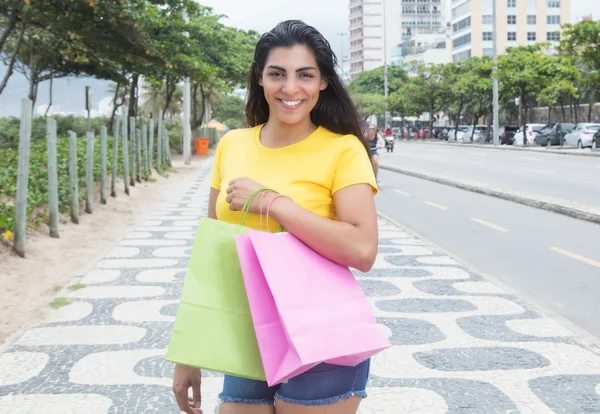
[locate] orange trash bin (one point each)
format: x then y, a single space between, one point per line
201 146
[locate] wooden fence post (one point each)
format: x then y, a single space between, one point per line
115 157
138 146
22 178
73 177
167 147
52 178
151 146
89 173
125 135
103 164
159 142
133 151
145 148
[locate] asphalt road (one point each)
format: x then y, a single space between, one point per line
551 259
566 177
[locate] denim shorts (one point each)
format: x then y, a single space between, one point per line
322 385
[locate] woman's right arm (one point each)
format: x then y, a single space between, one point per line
186 377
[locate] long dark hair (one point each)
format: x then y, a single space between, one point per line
334 109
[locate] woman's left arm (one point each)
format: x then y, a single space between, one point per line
351 240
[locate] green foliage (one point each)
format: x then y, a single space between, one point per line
58 303
229 110
369 104
372 81
37 197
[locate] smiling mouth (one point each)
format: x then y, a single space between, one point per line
291 104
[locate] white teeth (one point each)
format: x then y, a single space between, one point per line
291 103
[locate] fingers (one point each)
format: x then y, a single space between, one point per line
196 395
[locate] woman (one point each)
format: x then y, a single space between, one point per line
305 142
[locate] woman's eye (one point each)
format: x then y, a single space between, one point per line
275 74
306 75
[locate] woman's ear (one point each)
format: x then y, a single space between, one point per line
260 80
324 84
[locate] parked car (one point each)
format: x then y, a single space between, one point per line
507 134
582 135
454 135
596 140
553 134
477 135
531 132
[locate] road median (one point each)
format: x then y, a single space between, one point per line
564 207
543 150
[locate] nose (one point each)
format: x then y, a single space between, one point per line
290 86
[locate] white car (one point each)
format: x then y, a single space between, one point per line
531 132
582 135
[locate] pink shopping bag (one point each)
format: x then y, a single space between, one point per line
305 308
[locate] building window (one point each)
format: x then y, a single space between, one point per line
488 51
463 40
532 19
511 19
553 19
463 24
461 10
554 4
459 57
553 36
512 36
487 19
487 36
531 36
511 3
531 4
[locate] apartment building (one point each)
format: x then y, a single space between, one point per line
518 23
403 20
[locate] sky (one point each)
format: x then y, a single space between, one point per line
330 17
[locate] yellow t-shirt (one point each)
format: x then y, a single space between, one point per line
309 171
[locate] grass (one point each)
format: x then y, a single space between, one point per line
58 303
75 287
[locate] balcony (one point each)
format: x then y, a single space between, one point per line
356 25
356 48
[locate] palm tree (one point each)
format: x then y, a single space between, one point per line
155 100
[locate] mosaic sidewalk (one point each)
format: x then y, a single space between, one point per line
460 344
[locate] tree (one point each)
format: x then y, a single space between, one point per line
229 110
372 81
369 104
429 88
479 78
528 70
402 101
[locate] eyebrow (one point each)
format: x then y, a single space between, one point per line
297 70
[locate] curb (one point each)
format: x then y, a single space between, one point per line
509 148
505 195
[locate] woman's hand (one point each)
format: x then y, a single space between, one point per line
240 189
184 378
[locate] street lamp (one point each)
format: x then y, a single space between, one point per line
496 127
341 59
187 133
385 68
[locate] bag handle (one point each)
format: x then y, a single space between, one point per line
251 197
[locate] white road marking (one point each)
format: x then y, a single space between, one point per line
402 193
539 171
576 256
429 203
490 225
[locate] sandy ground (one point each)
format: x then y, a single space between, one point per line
29 284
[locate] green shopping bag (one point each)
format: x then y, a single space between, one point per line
213 328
